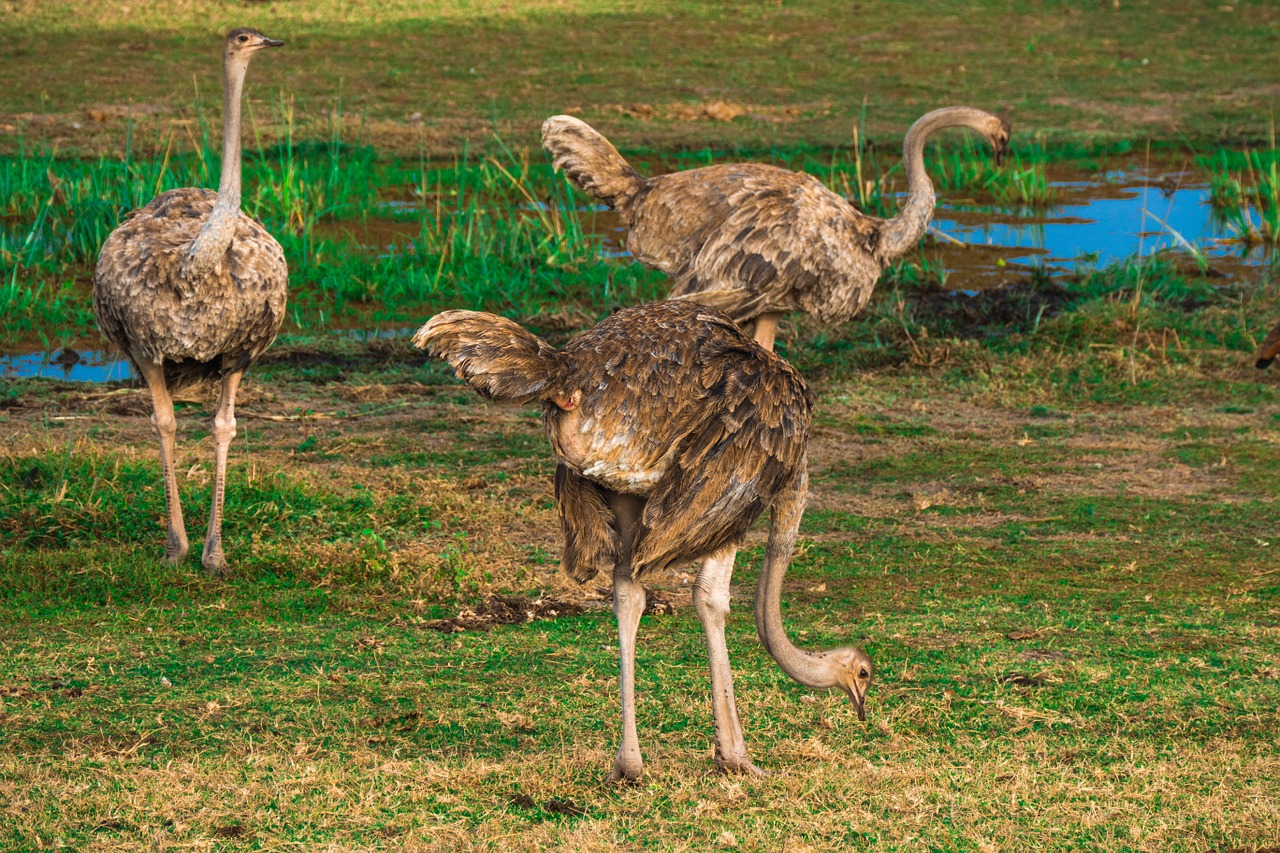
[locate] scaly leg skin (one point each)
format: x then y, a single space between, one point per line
711 600
766 330
224 429
628 606
166 426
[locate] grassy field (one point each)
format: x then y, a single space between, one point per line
415 75
1056 545
1047 511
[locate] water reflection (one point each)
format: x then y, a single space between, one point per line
1105 230
67 364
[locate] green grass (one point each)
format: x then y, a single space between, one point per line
800 71
305 703
1020 182
366 240
374 240
1047 512
1244 186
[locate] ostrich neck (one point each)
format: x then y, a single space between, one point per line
811 670
212 242
904 230
232 89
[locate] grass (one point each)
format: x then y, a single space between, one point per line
1065 584
366 240
385 241
1047 511
793 74
1021 182
1245 184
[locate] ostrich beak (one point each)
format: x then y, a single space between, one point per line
859 701
266 42
998 152
1000 140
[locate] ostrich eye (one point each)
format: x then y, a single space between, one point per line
243 39
862 673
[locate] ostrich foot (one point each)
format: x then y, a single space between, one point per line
626 769
740 765
213 560
176 548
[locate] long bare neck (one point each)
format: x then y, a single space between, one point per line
811 670
214 239
904 230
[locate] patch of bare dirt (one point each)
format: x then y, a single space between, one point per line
1098 115
504 610
715 110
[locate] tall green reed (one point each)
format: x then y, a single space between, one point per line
1243 184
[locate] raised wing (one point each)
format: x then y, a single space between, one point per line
787 244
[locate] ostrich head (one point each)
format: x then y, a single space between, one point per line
852 670
244 42
998 135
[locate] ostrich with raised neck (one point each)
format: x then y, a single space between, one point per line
755 240
191 289
673 432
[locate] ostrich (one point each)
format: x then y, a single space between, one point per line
755 240
1270 348
673 432
190 288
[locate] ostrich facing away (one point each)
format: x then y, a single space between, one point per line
1270 348
191 289
673 432
754 240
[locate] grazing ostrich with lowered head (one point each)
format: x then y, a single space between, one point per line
754 240
190 288
673 432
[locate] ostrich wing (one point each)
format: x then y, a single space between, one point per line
591 541
788 243
731 467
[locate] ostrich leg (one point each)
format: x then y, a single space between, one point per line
224 429
628 606
764 332
166 426
711 599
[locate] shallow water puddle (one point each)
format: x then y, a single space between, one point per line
67 364
1130 220
101 366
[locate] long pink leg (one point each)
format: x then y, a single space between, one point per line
628 606
711 600
766 330
224 429
166 426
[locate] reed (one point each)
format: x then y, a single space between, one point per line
1244 190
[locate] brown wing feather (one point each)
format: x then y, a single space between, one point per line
682 210
591 161
591 542
640 377
1270 348
494 355
747 446
681 388
786 243
677 406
